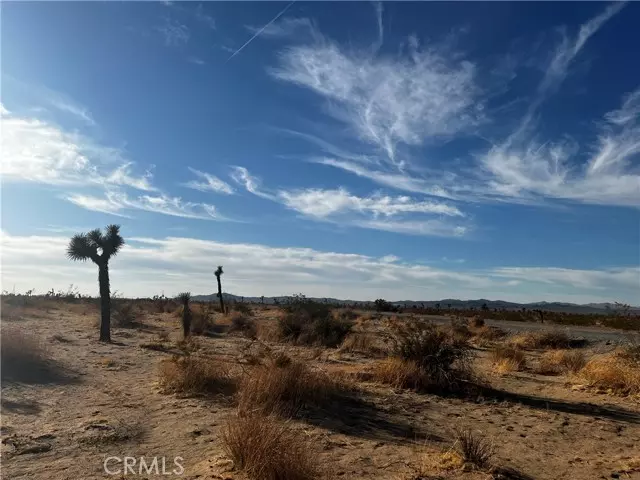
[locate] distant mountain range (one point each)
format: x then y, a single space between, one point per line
445 303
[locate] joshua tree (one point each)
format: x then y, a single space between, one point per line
186 313
262 299
218 273
99 248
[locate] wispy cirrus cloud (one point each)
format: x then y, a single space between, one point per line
118 202
209 183
174 32
429 94
400 214
387 101
38 151
147 266
323 203
285 27
203 17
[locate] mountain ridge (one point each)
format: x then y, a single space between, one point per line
561 307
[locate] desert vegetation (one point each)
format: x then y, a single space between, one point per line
304 390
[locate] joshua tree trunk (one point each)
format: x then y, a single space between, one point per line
105 302
220 294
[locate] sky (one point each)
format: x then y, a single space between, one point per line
354 150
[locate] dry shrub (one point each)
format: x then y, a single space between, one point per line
476 322
508 359
285 388
20 353
473 448
346 314
555 339
556 362
312 323
201 317
489 334
443 361
460 330
631 351
362 342
398 373
267 331
433 463
124 314
268 449
195 376
243 324
613 373
243 308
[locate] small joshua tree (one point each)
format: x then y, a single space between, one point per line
218 273
186 313
99 248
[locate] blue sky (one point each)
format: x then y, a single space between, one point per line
359 150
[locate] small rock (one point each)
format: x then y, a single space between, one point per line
38 448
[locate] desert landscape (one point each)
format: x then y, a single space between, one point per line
305 390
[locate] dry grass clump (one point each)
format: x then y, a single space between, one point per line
243 324
613 373
473 448
195 376
459 330
285 387
555 339
265 448
556 362
363 342
489 334
124 314
433 463
508 359
434 359
25 359
476 322
398 373
311 323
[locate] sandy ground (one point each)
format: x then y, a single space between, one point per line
103 400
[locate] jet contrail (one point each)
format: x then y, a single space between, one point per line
261 30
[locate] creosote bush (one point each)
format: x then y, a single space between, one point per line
266 448
195 375
434 359
312 323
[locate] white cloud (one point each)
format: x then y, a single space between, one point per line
204 17
174 33
607 279
37 151
242 176
3 110
388 100
323 203
343 208
425 94
114 202
283 28
196 61
67 106
209 183
549 170
148 266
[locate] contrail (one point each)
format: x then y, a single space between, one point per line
261 30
